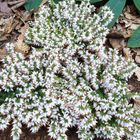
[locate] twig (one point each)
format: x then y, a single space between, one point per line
17 5
15 2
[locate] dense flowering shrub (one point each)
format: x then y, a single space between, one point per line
72 80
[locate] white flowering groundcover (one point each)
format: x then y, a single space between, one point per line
71 80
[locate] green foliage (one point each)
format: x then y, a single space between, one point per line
117 8
4 95
134 41
32 4
56 1
137 4
92 1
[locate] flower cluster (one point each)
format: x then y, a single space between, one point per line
72 80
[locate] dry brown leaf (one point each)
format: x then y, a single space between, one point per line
122 28
17 24
138 51
135 50
127 9
127 53
9 26
23 31
127 33
26 16
3 38
18 4
4 8
2 53
6 25
137 73
129 16
137 55
117 43
134 26
137 59
128 21
131 87
21 17
137 104
20 46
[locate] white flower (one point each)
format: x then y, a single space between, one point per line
72 80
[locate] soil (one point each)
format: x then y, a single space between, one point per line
134 83
41 135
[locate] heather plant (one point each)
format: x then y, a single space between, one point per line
71 79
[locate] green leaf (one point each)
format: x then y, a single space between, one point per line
117 7
56 1
137 4
134 41
91 1
32 4
94 1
